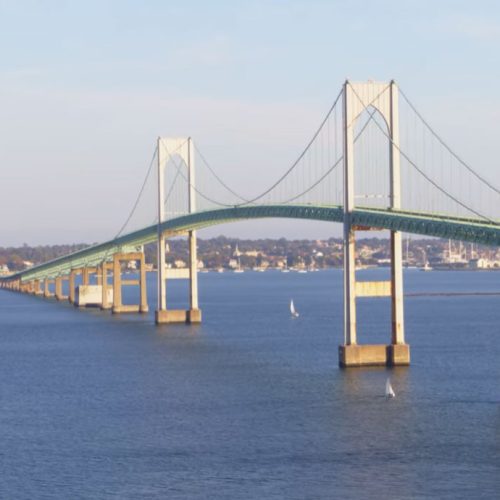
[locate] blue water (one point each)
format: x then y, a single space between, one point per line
251 404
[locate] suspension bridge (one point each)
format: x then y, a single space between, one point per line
374 163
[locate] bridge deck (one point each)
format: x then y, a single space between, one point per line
425 224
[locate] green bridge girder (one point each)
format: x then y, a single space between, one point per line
456 228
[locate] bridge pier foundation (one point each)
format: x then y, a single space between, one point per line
177 316
374 355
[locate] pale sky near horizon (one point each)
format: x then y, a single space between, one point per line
86 87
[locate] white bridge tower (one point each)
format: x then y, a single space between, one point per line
382 97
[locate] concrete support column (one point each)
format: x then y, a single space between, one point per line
37 290
143 285
71 292
117 284
398 335
46 288
105 267
162 278
59 288
85 275
194 310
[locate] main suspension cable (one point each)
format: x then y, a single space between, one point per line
296 162
335 165
136 203
460 160
217 177
421 172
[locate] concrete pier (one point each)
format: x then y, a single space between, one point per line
118 282
91 295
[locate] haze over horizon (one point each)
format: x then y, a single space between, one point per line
85 89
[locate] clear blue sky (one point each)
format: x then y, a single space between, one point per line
86 87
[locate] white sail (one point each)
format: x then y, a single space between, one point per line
389 392
292 309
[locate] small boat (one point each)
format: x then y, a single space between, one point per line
285 270
389 391
293 312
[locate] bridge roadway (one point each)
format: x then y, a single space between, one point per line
456 228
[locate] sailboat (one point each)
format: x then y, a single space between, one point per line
389 391
293 312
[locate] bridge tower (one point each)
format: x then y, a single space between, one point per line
383 97
182 148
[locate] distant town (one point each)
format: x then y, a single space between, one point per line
231 254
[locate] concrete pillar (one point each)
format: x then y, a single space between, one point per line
117 285
85 275
162 278
59 288
37 290
98 276
143 284
71 284
194 310
105 266
46 288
